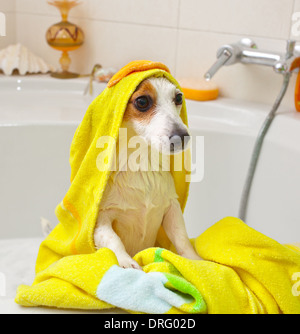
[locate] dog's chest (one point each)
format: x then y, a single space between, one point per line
139 200
139 191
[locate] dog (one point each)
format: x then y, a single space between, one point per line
135 204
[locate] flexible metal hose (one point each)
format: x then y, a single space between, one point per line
257 148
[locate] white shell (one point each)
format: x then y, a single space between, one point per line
18 57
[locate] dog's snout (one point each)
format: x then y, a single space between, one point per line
179 140
183 135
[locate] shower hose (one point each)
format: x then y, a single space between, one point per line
257 149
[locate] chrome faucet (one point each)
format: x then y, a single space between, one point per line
246 52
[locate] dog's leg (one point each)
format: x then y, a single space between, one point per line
174 227
105 236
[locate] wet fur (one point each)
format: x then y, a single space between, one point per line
136 203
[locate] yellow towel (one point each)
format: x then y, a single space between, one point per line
254 273
245 272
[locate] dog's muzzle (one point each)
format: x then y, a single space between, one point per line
179 141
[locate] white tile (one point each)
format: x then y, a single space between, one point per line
35 7
7 6
265 18
10 37
33 36
151 12
197 52
41 7
116 44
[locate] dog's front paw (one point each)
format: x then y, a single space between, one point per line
128 262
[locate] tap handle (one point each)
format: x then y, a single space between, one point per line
222 59
290 48
290 61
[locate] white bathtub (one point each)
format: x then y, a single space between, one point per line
38 117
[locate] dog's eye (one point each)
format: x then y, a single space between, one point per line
178 99
143 103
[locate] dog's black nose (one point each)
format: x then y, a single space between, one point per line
183 135
179 139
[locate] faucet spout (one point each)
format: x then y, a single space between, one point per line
221 61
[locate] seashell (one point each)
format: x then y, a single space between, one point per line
18 57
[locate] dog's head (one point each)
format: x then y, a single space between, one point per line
153 113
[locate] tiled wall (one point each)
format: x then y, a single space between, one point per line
184 34
8 8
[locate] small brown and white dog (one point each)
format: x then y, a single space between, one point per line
136 203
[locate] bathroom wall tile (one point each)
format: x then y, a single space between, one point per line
107 43
197 52
263 18
33 36
151 12
7 6
10 37
35 7
41 7
115 44
38 7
